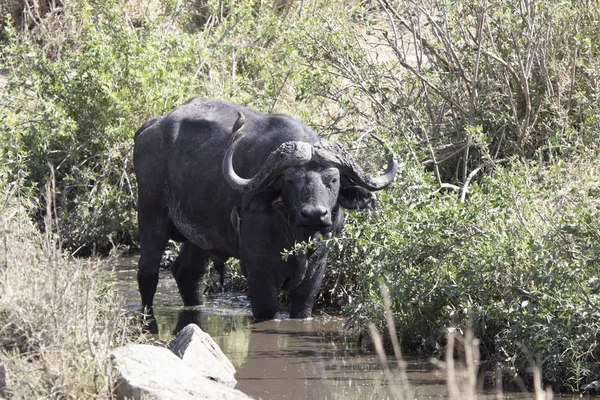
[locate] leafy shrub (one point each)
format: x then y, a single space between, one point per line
518 258
464 82
497 102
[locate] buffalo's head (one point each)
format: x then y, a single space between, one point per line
310 180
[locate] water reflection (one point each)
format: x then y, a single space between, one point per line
299 359
295 359
230 331
307 360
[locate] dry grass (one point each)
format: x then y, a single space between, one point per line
460 367
58 318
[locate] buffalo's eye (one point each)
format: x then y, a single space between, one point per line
334 180
289 181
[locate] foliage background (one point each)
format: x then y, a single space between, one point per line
491 107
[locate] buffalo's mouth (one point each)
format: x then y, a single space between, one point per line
313 227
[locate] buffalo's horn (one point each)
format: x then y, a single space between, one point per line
333 154
288 154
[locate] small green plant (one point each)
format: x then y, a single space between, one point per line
304 247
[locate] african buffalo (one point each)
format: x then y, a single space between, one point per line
188 166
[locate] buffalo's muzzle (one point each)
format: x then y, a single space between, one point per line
315 216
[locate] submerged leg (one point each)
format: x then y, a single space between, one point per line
153 238
219 266
302 297
262 291
189 269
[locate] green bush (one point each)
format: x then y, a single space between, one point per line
464 81
492 109
519 259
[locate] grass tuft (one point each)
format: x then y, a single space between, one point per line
59 318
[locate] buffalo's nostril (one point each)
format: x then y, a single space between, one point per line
314 213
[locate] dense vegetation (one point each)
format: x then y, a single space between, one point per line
492 108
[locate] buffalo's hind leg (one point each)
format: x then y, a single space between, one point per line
154 234
189 269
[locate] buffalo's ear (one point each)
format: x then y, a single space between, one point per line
356 198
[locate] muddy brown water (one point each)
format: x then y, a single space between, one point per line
285 359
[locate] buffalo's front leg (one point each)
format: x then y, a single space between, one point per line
262 291
189 269
302 297
260 262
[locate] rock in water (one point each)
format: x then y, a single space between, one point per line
153 372
200 352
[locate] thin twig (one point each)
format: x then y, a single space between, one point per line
225 34
384 362
279 92
465 186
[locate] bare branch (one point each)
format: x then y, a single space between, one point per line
466 183
427 82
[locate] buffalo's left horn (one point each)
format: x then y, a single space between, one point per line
333 154
288 154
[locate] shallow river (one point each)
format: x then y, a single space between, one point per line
284 359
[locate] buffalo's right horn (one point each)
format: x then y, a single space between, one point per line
288 154
333 154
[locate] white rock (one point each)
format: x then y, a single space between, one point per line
200 352
153 372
